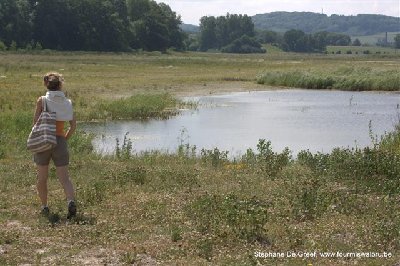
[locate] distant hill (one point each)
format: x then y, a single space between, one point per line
313 22
190 28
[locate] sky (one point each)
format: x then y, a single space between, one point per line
192 10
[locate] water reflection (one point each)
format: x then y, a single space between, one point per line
298 119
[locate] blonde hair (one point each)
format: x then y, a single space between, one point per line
53 80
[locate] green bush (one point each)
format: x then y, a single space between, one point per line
229 217
243 45
215 156
13 46
267 161
38 46
374 168
3 47
81 142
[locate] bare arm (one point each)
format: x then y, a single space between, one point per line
38 110
72 128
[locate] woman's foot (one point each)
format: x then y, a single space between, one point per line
71 210
45 211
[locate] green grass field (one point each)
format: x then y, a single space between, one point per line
182 209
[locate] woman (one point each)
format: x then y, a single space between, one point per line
56 101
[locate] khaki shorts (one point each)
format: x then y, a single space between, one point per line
59 154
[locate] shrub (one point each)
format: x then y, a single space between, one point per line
81 142
125 151
266 160
243 45
3 47
129 175
38 46
378 166
13 46
229 216
215 156
28 47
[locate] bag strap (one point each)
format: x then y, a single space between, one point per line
44 105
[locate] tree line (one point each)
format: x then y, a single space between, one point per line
90 25
125 25
397 41
236 33
299 41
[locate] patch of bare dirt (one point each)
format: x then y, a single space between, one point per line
96 257
217 88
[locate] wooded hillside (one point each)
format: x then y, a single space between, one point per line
309 22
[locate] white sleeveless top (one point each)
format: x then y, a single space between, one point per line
61 105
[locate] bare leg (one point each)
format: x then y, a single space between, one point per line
43 173
63 177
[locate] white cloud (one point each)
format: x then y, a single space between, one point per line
192 10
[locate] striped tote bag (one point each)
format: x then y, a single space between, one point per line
43 134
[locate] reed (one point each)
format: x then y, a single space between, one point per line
356 79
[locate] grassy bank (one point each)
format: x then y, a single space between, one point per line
140 106
343 78
182 209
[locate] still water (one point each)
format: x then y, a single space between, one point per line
298 119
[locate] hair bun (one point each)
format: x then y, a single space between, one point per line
54 80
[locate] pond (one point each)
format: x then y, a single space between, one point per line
298 119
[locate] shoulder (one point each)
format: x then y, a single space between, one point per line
39 101
69 101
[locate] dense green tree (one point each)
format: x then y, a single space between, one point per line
397 41
320 40
208 37
338 39
238 26
137 9
268 36
172 21
222 32
154 26
243 45
15 22
100 25
356 42
3 47
297 41
216 33
56 26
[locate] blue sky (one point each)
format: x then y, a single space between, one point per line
192 10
